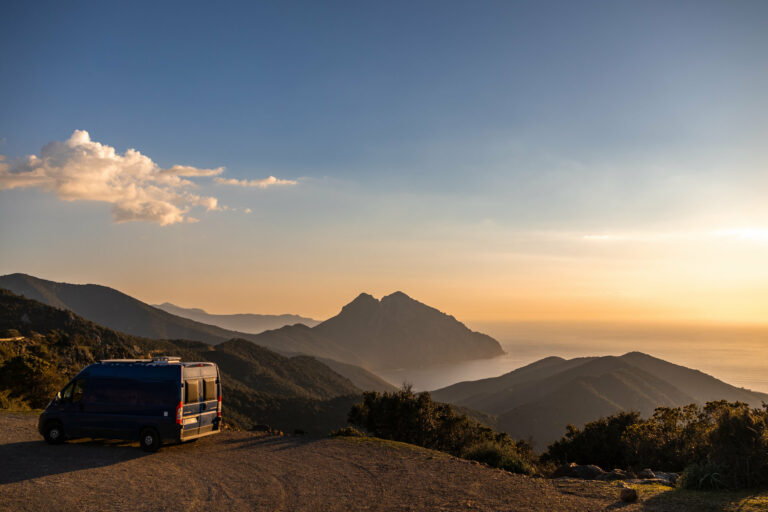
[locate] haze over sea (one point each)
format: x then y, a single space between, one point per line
734 354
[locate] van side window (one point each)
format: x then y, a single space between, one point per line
114 390
209 389
191 391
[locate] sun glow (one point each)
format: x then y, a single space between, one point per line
746 233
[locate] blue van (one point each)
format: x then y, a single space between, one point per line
150 400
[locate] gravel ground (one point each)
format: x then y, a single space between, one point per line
246 471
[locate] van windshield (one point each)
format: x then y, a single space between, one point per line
66 393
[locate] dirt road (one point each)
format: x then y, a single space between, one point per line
244 471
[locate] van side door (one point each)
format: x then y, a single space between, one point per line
192 408
72 409
210 403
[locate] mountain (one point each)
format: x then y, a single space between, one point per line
244 322
41 347
394 332
540 399
116 310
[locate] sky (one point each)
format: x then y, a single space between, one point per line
500 161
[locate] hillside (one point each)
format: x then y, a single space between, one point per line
360 377
243 322
394 332
42 347
116 310
540 399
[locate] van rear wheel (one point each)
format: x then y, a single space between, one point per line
149 440
54 433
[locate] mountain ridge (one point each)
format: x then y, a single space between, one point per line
250 323
394 332
540 399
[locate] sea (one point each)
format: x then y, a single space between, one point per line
737 355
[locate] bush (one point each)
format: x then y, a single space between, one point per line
498 455
32 379
11 403
720 445
707 476
739 444
416 419
347 432
599 442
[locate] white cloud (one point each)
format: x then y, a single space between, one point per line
747 234
186 170
264 183
80 169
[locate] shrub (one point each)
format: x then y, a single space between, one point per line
32 379
599 442
722 444
498 455
707 476
416 419
347 432
739 444
11 403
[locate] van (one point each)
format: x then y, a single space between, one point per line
153 401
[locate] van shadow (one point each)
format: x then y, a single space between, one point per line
34 459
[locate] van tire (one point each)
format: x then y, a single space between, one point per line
54 433
149 440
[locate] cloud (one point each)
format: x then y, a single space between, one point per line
264 183
186 170
747 234
80 169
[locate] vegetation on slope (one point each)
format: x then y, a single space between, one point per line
721 445
417 419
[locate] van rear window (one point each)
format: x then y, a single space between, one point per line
191 391
209 389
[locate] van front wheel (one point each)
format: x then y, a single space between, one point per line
54 433
149 440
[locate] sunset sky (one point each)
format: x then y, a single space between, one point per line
498 160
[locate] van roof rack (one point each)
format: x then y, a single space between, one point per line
154 360
125 360
167 359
